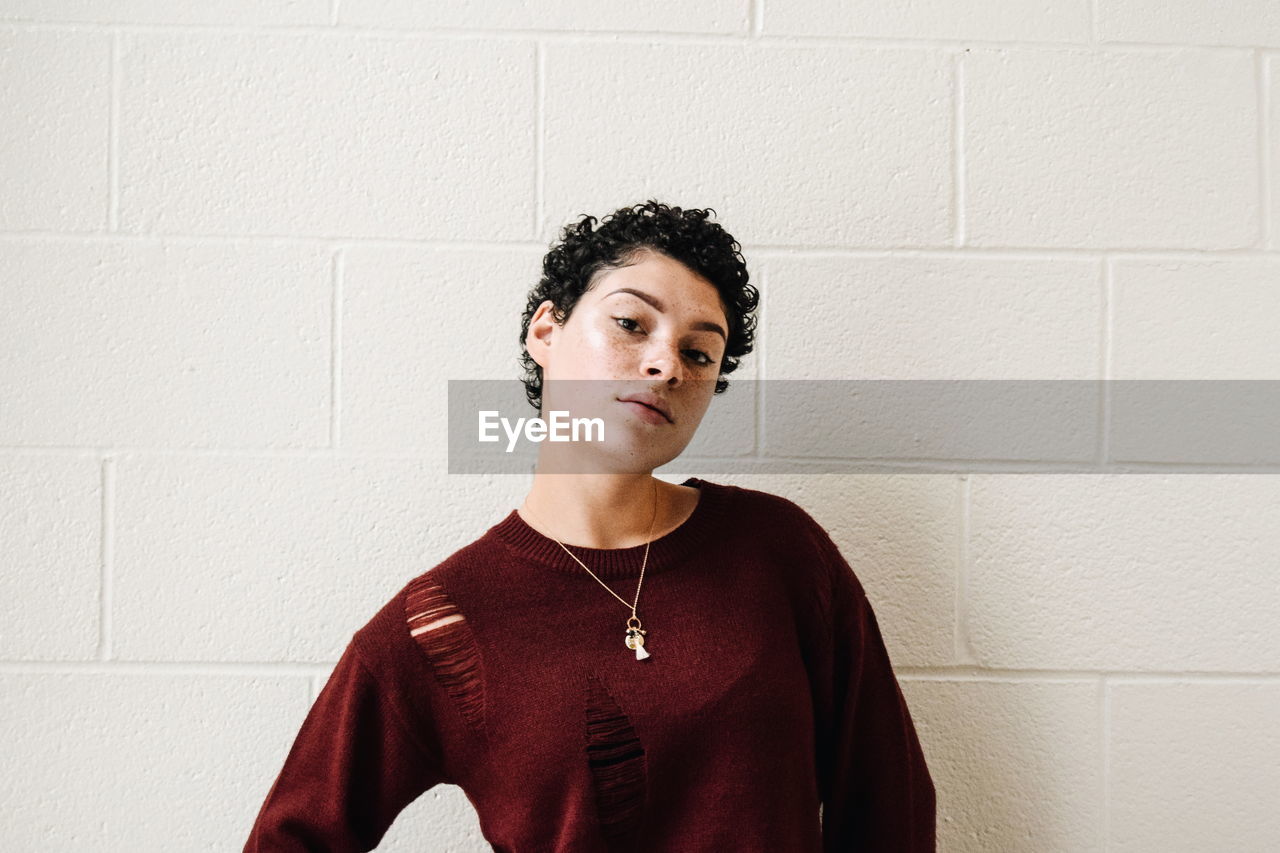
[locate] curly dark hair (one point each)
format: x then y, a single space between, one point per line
687 236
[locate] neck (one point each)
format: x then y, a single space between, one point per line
596 510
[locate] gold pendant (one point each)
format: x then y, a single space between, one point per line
635 638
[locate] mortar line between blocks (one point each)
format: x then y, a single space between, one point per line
338 271
1106 333
113 137
540 130
763 250
962 647
1262 68
614 37
758 439
106 556
958 153
1106 763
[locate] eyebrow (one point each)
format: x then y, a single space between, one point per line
702 325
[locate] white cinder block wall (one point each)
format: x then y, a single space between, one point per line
243 245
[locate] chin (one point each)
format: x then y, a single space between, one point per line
631 450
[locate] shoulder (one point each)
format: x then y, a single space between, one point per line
821 581
787 520
783 521
388 631
783 516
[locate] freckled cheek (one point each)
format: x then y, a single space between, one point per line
604 351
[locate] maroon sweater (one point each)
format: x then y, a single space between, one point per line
504 670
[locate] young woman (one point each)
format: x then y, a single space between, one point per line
623 663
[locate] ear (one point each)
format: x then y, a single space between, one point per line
542 330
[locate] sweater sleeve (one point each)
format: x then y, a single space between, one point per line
354 765
876 789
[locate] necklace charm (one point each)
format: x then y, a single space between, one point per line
635 634
635 638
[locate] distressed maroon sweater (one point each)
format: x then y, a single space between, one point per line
766 718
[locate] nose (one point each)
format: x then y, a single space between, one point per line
664 361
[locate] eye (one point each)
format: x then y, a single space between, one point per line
704 359
708 358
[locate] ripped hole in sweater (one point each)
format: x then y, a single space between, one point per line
444 635
617 763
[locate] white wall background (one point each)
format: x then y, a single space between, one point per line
244 244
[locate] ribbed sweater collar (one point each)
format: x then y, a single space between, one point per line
700 528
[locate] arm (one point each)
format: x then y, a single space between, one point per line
353 767
876 789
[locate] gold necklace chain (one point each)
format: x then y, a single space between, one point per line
635 635
593 574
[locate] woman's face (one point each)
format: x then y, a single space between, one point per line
654 327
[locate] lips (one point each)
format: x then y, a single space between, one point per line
652 402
